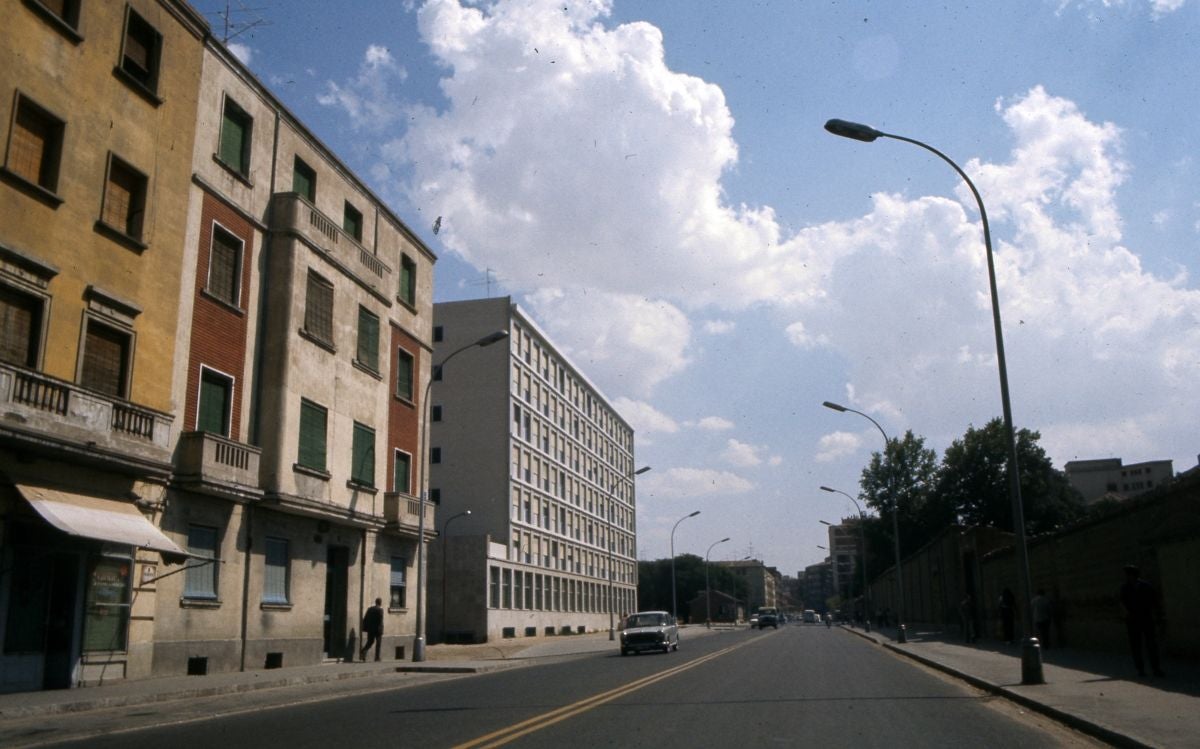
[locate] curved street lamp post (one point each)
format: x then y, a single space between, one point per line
445 529
1031 652
419 638
612 601
674 614
862 529
901 630
707 588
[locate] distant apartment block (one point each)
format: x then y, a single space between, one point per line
1107 477
844 553
763 583
544 463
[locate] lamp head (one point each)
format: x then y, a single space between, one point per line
825 522
641 470
723 540
491 338
852 130
694 514
827 489
835 406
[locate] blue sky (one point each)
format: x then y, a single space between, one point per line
652 182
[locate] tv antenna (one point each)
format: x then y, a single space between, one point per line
232 29
489 278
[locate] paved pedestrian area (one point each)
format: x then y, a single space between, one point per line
1093 692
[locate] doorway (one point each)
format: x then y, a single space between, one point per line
337 577
40 643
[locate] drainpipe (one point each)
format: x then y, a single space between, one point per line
248 524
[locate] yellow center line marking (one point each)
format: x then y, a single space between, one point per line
537 723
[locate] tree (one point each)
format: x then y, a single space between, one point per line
973 481
906 472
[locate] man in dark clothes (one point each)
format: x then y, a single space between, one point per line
372 627
1140 602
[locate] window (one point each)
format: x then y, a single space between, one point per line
20 327
35 145
225 266
107 602
368 339
352 222
234 147
435 455
141 51
402 472
408 281
105 364
124 199
311 452
200 580
216 402
275 571
64 13
318 309
494 587
362 470
404 375
304 180
438 332
435 413
398 596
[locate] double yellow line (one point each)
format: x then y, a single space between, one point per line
545 720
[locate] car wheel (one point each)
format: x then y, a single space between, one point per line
624 652
677 646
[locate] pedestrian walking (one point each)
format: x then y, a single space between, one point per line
372 627
1042 609
1140 601
1008 614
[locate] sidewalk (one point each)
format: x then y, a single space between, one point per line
1095 693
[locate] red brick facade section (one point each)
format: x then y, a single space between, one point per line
218 338
404 417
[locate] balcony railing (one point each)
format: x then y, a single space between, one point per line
291 212
64 412
218 464
401 510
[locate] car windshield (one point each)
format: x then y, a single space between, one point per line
647 620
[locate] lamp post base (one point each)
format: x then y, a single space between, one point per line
1031 662
611 635
418 650
901 634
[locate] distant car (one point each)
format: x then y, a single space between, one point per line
767 617
810 616
649 630
753 621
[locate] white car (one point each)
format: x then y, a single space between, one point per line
810 616
649 630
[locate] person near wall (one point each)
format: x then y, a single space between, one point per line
1008 614
372 626
1140 602
1042 615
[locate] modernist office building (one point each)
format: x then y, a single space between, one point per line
544 463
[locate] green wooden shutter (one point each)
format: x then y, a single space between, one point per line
362 470
404 375
368 339
403 473
213 412
312 436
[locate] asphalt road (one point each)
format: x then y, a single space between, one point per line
798 686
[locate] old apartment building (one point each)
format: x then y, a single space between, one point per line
215 336
545 465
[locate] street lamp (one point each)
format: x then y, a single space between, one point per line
611 599
862 528
675 615
707 588
419 639
1031 651
901 633
445 529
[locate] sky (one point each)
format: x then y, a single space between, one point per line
651 181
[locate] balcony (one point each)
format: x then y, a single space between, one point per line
400 511
215 465
62 417
293 214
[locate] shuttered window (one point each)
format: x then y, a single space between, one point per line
20 327
404 374
236 127
35 145
408 281
105 360
402 473
124 199
352 222
318 309
225 266
312 435
362 470
304 180
141 52
200 580
216 402
368 339
275 571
